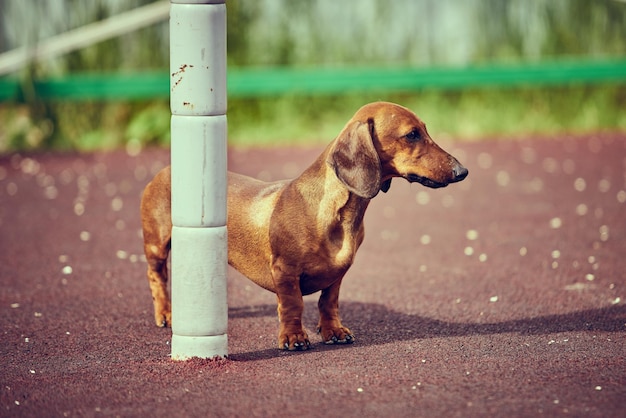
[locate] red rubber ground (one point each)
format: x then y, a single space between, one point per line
502 295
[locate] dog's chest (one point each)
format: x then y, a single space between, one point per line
344 245
328 263
320 277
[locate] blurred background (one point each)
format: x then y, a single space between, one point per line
298 69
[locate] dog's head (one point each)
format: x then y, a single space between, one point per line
385 140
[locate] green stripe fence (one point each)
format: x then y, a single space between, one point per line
267 82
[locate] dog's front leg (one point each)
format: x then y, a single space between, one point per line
330 327
291 335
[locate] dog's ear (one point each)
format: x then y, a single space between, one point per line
356 161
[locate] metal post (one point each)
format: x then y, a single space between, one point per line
198 153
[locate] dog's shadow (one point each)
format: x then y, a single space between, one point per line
375 324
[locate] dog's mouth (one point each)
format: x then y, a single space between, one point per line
414 178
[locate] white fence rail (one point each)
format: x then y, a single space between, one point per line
84 36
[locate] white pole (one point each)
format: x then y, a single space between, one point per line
198 153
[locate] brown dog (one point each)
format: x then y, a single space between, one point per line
297 237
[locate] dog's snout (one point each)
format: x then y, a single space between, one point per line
459 172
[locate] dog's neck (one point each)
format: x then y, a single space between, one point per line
332 200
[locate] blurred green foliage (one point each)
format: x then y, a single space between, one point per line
327 33
463 115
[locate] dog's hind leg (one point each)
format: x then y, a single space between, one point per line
157 234
157 278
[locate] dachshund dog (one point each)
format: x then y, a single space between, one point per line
297 237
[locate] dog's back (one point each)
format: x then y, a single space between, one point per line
250 204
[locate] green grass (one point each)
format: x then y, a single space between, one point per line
467 115
298 120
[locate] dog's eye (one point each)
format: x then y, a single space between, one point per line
414 135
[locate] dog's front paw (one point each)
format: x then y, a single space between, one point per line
336 335
294 341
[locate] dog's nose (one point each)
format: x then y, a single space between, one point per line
459 172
